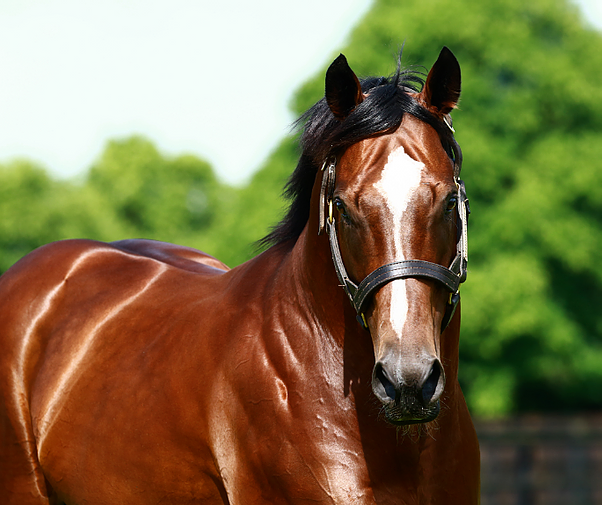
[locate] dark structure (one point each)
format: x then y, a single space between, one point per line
541 460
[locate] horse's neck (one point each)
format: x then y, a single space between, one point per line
333 319
298 292
314 276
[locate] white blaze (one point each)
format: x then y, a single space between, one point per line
399 181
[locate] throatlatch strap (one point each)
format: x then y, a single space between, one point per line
346 283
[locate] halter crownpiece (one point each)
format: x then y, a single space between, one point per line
451 277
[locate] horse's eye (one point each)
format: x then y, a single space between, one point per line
341 208
451 204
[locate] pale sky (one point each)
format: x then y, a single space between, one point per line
194 76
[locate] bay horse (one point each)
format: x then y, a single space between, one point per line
324 370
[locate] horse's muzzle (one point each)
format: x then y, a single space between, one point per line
409 394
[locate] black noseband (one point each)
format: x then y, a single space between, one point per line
403 270
359 295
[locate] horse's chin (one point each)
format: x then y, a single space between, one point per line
396 415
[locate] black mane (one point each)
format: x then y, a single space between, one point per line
387 100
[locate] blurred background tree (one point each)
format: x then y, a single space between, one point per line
36 209
132 191
176 200
530 125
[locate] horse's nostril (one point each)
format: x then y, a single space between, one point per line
381 376
430 384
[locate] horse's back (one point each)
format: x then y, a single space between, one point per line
82 322
185 258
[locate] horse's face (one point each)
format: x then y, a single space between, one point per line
395 198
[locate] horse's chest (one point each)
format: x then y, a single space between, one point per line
282 443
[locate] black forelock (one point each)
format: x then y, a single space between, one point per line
386 101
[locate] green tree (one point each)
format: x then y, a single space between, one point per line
132 191
257 206
36 209
171 199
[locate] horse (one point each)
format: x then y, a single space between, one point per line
324 370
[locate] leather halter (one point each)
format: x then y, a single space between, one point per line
451 277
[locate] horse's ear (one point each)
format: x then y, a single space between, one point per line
343 88
442 87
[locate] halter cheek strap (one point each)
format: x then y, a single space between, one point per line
359 295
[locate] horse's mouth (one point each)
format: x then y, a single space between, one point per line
396 414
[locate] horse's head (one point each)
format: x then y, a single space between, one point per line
388 200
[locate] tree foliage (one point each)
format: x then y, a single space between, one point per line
530 125
131 191
152 196
36 209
